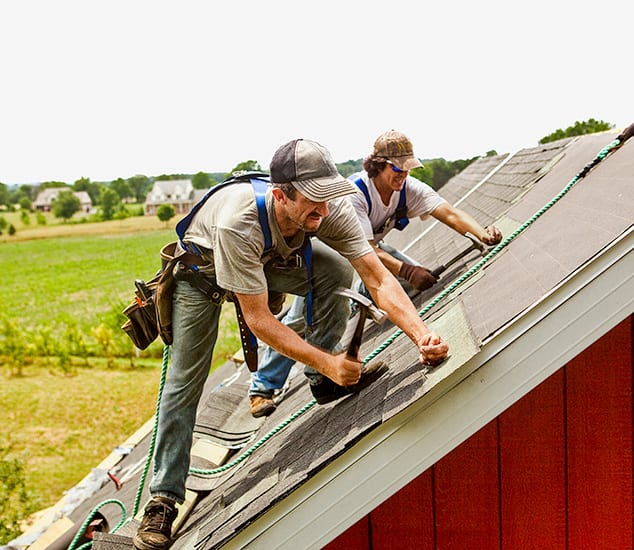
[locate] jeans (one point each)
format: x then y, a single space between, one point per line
195 327
274 367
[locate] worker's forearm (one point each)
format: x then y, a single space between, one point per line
459 221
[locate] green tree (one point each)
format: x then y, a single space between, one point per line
140 186
92 188
25 203
4 194
201 180
590 126
350 167
65 205
165 212
51 185
122 188
23 191
248 166
16 503
110 201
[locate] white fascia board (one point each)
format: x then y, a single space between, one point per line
555 330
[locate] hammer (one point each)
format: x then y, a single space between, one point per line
475 245
369 373
366 307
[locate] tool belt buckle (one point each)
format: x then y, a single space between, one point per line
184 272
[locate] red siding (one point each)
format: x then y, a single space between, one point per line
533 473
599 396
467 494
552 471
403 523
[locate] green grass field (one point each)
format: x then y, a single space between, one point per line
62 423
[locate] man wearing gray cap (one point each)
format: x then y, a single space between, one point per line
226 234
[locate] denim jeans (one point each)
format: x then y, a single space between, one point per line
195 327
274 367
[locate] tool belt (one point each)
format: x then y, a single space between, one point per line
150 314
218 295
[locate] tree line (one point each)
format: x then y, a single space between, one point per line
113 198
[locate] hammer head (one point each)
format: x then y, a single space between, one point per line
378 315
475 243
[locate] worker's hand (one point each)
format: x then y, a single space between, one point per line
346 371
433 350
419 277
491 236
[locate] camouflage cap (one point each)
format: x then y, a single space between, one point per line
397 148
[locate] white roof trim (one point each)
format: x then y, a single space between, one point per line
597 297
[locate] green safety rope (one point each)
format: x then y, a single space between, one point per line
451 288
92 514
137 501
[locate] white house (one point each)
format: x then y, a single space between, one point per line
179 193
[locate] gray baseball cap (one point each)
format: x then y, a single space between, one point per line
308 166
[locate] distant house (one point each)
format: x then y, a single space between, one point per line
179 193
44 200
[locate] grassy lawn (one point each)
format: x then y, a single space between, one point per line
63 422
61 426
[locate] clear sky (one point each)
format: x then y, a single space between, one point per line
122 87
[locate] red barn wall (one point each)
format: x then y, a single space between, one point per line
554 471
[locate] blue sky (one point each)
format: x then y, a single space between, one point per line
113 89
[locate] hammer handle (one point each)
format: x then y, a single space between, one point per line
355 342
436 272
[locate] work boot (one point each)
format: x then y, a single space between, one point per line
155 532
327 391
261 406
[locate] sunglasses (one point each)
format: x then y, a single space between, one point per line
395 168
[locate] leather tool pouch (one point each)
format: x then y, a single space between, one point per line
142 326
150 314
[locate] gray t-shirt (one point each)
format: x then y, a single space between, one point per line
228 229
420 198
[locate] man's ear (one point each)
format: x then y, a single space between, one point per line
278 194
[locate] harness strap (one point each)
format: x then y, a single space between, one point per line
307 254
400 214
259 188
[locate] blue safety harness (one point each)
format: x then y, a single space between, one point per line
260 183
399 217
